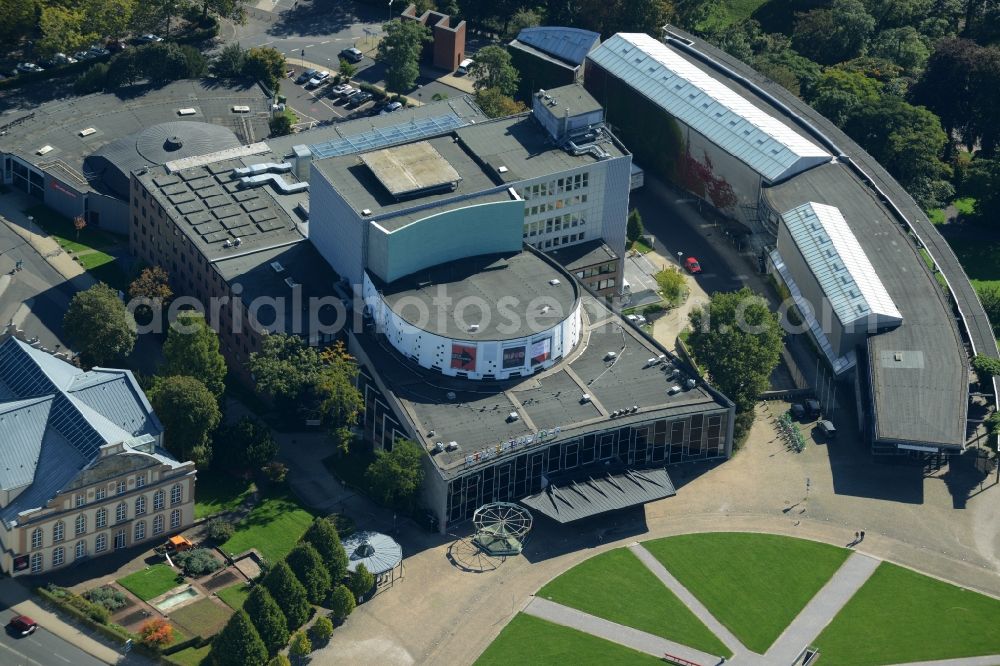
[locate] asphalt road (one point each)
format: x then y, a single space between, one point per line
40 649
34 297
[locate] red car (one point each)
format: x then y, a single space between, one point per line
692 265
23 625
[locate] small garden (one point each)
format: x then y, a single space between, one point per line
152 581
88 246
273 527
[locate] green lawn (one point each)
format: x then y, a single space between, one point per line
981 260
151 582
273 527
530 640
202 618
900 616
218 492
616 586
639 247
89 240
190 656
755 584
235 595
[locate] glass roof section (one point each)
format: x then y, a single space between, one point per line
386 136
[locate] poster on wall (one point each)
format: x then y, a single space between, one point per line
541 350
463 357
20 563
513 357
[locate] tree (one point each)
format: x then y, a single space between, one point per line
903 46
192 349
231 9
891 14
300 646
341 602
108 18
361 581
230 62
156 633
989 296
239 644
497 105
834 34
523 18
983 182
62 29
839 94
396 475
153 284
189 413
19 19
986 368
281 123
634 230
347 69
492 68
637 16
220 530
93 80
279 660
672 284
265 64
400 49
246 443
738 340
289 594
99 326
309 568
267 618
948 86
321 630
322 535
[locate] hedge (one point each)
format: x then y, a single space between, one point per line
75 68
111 631
193 642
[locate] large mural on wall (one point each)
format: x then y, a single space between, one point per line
699 178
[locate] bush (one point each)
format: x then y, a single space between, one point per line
361 582
220 530
341 603
986 368
275 472
157 633
197 562
309 568
279 660
321 630
108 597
300 645
375 91
93 80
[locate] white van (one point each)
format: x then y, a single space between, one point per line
463 67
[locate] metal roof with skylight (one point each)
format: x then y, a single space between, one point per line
380 137
764 143
840 265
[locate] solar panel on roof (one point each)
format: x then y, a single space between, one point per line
386 136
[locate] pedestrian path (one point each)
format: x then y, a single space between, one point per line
689 600
822 608
614 632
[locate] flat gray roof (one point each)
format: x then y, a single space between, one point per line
475 414
58 122
923 397
574 98
583 255
410 169
525 276
210 207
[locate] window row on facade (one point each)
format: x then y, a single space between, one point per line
554 187
553 224
557 204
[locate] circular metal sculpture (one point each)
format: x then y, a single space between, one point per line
501 528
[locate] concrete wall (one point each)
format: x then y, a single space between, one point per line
335 229
455 234
64 198
111 213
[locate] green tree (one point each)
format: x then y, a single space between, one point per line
99 326
634 229
839 94
986 368
948 86
361 581
341 602
19 19
247 443
281 124
231 9
637 16
189 413
833 34
322 535
62 30
891 14
983 183
267 618
400 50
523 18
904 46
309 568
322 630
238 644
289 594
230 62
738 340
672 284
300 646
492 68
497 105
265 64
108 18
347 69
93 80
124 69
192 349
395 476
220 530
989 296
279 660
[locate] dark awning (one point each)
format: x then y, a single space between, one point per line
593 494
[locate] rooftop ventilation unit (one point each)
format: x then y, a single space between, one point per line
237 242
473 328
451 395
44 150
554 282
88 131
453 446
513 416
277 267
545 309
188 111
438 447
290 282
585 398
228 243
610 356
366 212
241 109
503 169
652 361
635 408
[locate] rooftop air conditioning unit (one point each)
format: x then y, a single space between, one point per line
453 446
473 328
554 282
438 447
277 267
585 398
635 408
290 282
513 416
366 212
44 150
186 111
88 131
238 241
503 169
227 243
610 356
241 109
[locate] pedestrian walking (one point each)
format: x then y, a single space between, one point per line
857 537
862 535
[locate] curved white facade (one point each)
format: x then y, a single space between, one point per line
471 358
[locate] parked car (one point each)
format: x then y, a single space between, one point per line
116 46
828 430
463 67
357 100
28 67
23 625
84 55
318 80
390 107
306 75
149 39
692 265
98 50
352 55
59 59
175 544
341 89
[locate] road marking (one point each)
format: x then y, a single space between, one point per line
56 654
326 42
308 46
22 656
266 43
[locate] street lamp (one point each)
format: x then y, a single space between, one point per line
31 219
390 10
679 255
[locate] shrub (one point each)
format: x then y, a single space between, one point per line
220 530
321 630
267 618
238 644
300 646
361 581
375 91
341 603
275 472
157 633
323 536
289 594
93 80
108 597
986 368
197 562
279 660
308 567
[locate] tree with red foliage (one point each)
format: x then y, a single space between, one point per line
157 633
